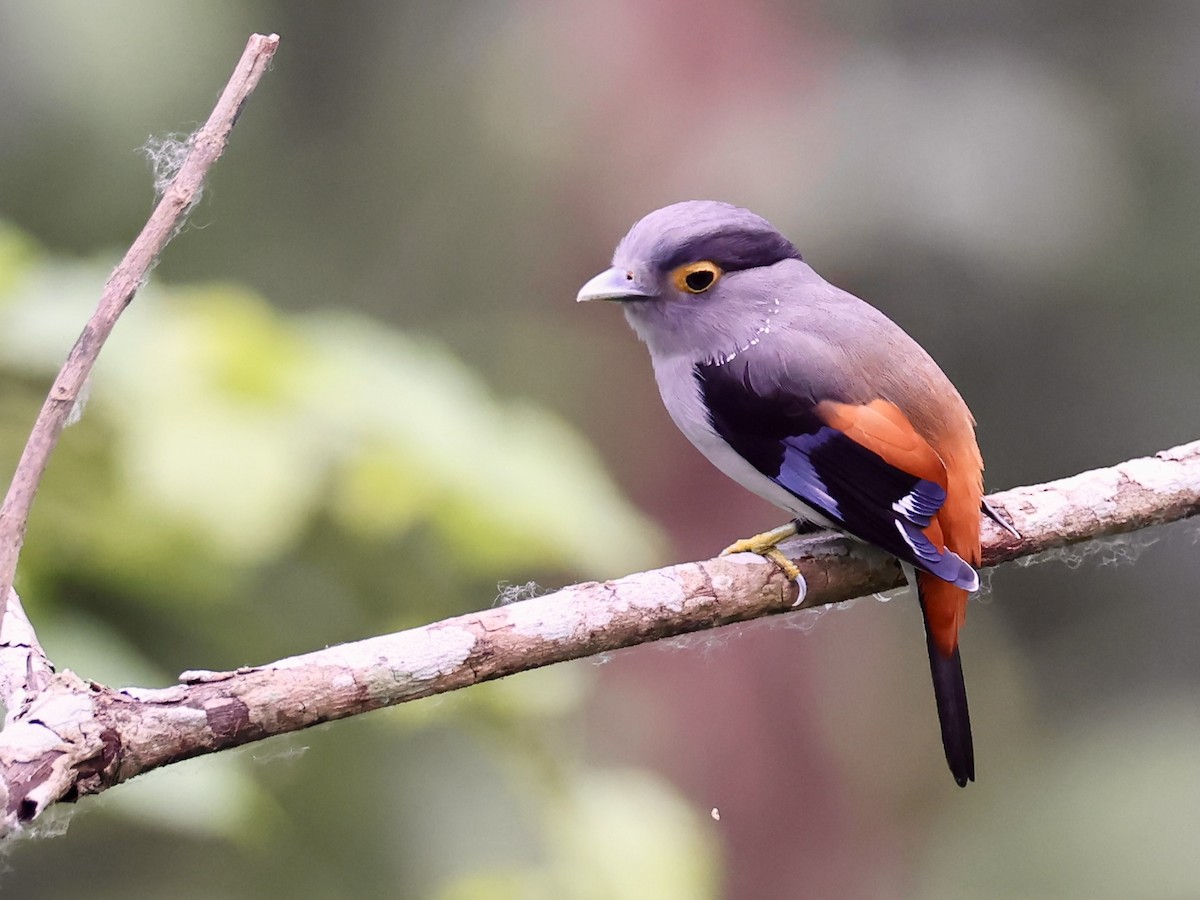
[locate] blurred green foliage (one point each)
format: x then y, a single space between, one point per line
246 484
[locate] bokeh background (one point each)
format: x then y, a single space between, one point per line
357 396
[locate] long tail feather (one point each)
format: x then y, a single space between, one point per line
950 692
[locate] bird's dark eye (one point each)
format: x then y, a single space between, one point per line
697 277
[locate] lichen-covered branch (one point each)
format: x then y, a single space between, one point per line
178 197
77 737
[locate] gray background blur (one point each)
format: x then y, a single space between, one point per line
1017 184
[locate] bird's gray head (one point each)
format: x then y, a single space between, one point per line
696 277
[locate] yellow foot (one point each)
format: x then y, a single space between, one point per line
761 543
766 546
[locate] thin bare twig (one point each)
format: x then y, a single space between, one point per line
206 146
78 738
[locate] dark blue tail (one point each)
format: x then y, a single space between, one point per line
951 695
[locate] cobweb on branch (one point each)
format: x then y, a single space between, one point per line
1119 549
512 593
166 156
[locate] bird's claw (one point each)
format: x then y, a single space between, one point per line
766 545
789 569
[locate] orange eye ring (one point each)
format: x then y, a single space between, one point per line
697 277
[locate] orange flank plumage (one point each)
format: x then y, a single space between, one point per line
885 431
955 465
960 518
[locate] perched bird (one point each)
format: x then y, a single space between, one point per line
815 401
